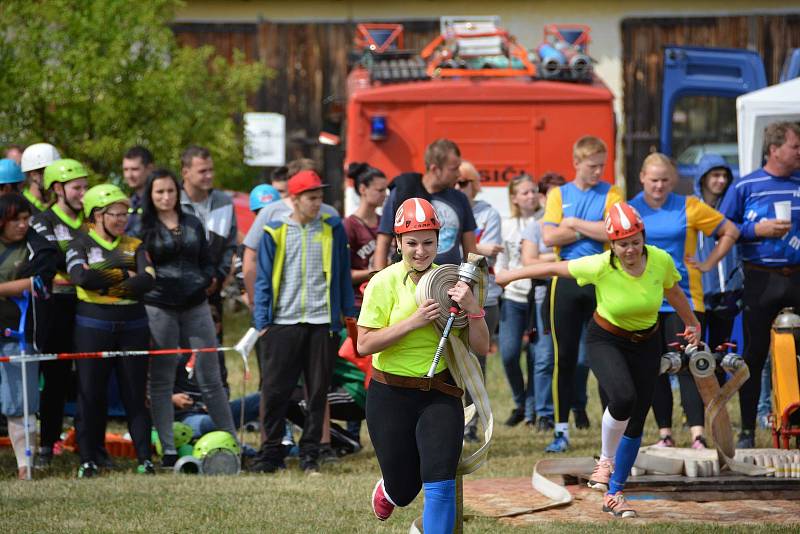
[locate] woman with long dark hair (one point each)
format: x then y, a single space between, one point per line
177 307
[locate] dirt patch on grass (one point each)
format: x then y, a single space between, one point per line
497 496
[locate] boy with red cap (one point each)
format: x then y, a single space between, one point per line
302 291
630 281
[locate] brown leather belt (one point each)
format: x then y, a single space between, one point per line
635 337
437 382
788 270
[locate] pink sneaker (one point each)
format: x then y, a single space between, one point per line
617 506
665 441
601 475
381 505
699 443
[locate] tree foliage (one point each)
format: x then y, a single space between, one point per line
94 77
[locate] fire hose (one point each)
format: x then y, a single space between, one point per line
702 364
462 364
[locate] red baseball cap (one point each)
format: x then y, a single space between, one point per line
304 181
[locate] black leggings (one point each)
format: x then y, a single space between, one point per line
572 307
719 327
626 372
58 376
670 326
765 293
93 376
417 437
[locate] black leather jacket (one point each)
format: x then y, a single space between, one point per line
183 266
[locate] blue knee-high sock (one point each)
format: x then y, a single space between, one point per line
626 455
439 512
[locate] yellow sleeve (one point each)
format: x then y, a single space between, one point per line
553 210
700 216
377 304
613 196
588 269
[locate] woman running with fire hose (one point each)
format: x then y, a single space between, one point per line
417 434
631 280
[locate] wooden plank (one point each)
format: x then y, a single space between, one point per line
723 483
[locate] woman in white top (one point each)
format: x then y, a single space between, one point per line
523 197
541 345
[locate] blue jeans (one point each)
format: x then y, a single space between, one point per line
581 375
765 400
543 361
202 424
513 321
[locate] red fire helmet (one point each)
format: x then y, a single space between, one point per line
415 214
623 221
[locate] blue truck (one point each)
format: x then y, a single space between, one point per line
698 103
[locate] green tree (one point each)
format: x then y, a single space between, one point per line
94 77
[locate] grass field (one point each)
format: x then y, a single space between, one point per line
335 501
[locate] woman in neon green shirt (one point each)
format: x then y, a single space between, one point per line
416 425
631 280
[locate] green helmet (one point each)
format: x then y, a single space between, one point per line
182 434
219 439
63 170
101 196
185 450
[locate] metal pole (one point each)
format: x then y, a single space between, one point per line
108 354
458 527
25 418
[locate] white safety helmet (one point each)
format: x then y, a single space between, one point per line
38 156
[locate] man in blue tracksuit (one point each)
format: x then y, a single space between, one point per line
722 286
770 251
302 290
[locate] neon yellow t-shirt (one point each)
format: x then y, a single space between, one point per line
388 299
629 302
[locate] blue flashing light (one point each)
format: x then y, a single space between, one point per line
378 127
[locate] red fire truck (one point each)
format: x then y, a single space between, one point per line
509 109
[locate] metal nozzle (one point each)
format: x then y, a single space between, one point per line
702 364
671 363
732 362
469 273
786 321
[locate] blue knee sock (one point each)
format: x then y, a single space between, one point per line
439 512
626 455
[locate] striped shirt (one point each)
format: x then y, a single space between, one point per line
752 199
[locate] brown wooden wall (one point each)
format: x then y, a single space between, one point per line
643 41
310 65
